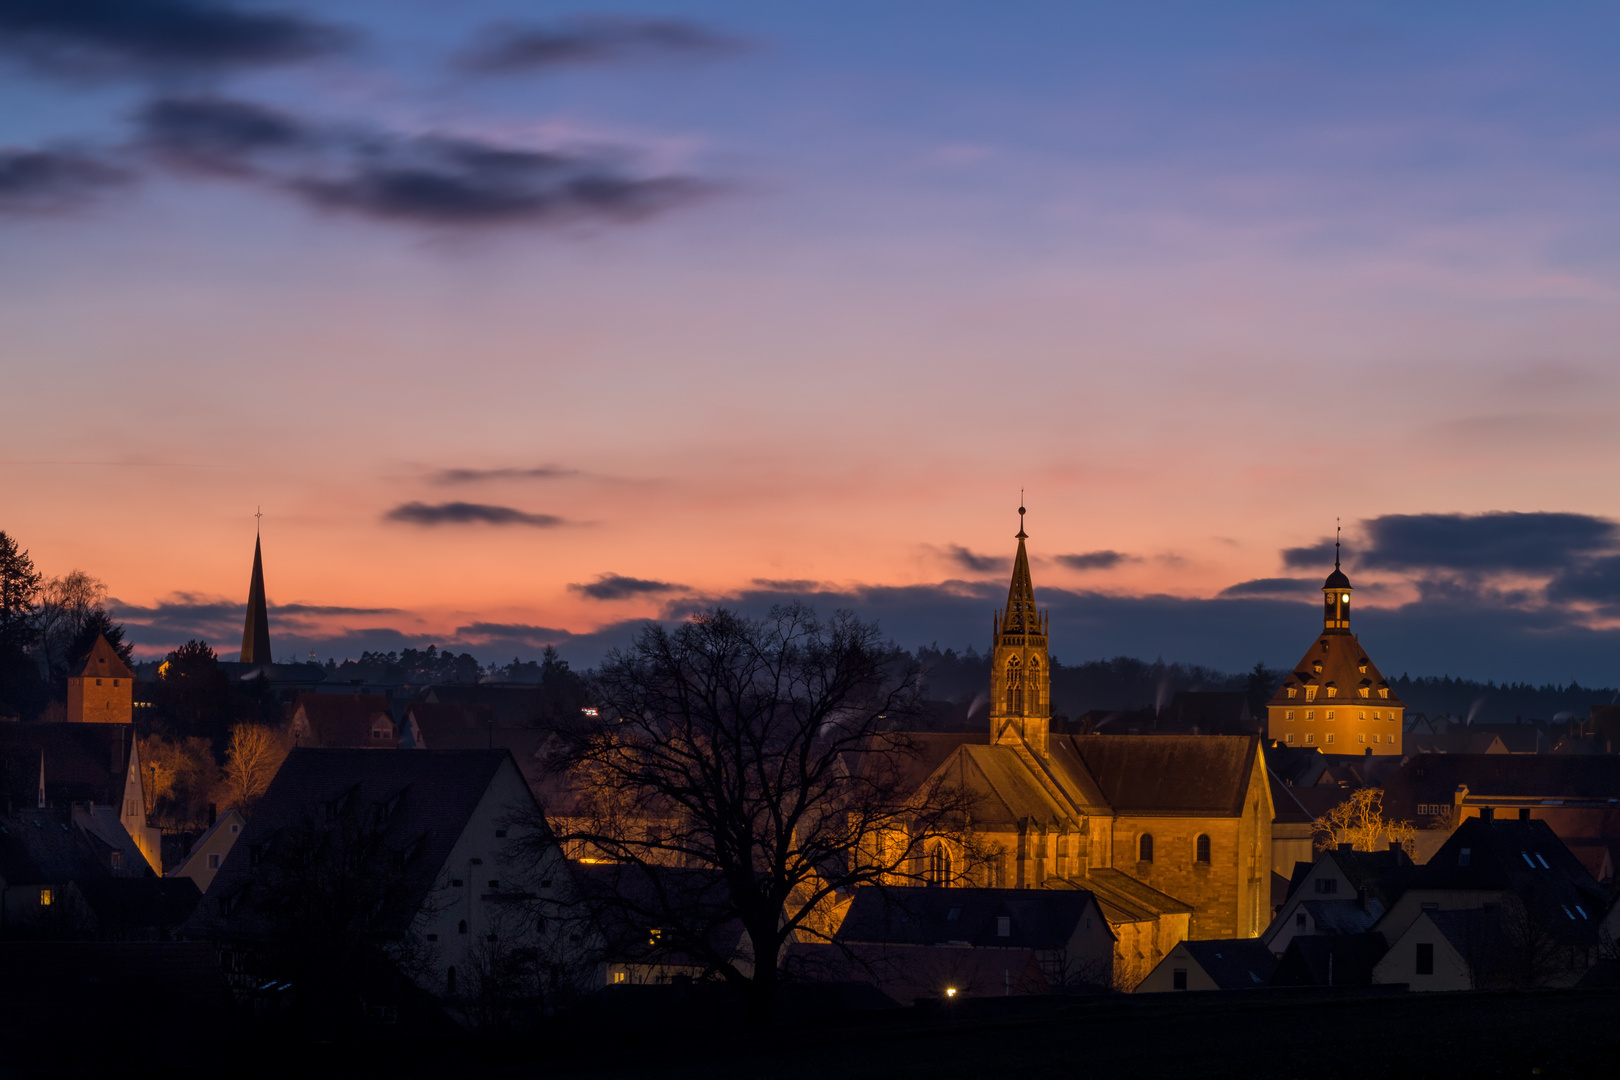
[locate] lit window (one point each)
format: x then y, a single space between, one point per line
1290 738
44 898
1333 691
1330 736
1309 738
1330 714
1376 716
1383 691
1310 714
1310 693
1292 690
1361 738
1290 714
1375 738
1363 692
618 976
1362 715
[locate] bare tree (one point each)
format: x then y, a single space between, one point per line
65 606
765 754
182 777
1360 822
252 757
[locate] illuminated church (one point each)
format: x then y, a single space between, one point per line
1171 833
1335 699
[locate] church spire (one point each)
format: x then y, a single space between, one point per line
256 631
1020 679
1020 616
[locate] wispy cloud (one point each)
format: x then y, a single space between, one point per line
617 587
50 181
478 476
513 48
973 561
102 37
444 180
467 513
1093 560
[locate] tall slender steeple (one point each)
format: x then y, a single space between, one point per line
256 631
1020 669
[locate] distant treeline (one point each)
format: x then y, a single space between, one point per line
1127 683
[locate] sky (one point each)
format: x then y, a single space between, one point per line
525 322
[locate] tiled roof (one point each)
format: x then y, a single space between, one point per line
104 662
1130 897
82 762
43 847
1340 656
1343 916
1330 960
1234 963
342 720
1170 774
1037 918
426 797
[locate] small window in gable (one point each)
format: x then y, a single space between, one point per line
213 860
1464 856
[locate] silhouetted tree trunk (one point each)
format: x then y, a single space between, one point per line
762 753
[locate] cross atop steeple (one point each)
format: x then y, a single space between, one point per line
258 512
1022 535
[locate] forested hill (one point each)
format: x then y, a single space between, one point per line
1127 683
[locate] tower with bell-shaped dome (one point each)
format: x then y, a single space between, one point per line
1335 700
1020 669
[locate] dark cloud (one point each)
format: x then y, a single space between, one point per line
1595 581
511 49
435 179
979 564
328 609
1092 560
476 476
49 181
466 513
1273 586
1493 542
1317 555
617 587
100 37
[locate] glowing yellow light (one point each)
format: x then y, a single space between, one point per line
45 899
1347 598
950 991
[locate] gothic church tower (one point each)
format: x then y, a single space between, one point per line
1020 670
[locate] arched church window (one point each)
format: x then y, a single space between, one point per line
1144 848
1201 846
1015 687
939 865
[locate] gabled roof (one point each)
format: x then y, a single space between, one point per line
1006 790
83 762
1037 918
342 720
104 662
44 847
1331 960
229 817
426 798
1203 775
1384 874
1125 899
1286 807
1233 963
1343 916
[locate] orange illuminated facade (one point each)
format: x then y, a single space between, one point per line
103 692
1336 700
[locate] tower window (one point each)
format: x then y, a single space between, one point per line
1310 693
1310 714
1375 738
1330 736
1015 687
1361 738
1293 690
1201 848
1330 714
1290 738
1290 714
1309 738
1144 848
1362 715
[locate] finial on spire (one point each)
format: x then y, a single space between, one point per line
1337 530
1021 534
258 512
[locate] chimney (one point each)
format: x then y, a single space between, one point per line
1347 847
1524 813
1487 814
1395 845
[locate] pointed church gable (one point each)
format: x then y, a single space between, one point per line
1170 775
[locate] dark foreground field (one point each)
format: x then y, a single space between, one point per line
1187 1037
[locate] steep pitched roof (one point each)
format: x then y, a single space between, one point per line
1036 918
1336 661
426 798
1170 775
1125 899
1234 963
83 762
1384 874
1020 617
103 662
256 628
342 720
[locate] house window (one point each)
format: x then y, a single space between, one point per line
115 682
213 860
1375 738
1299 919
1310 693
1144 848
45 898
1362 715
1309 738
1363 692
1003 926
618 976
1327 885
1425 958
1330 712
1201 848
1290 714
1465 856
1361 738
1383 692
1290 738
1178 979
235 829
98 682
1292 691
1376 716
1330 736
117 859
1310 714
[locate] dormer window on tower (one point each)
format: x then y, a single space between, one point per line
1310 693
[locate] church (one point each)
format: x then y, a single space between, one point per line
1335 699
1172 833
